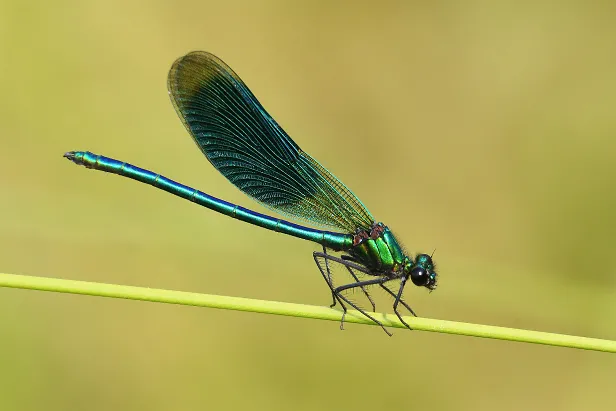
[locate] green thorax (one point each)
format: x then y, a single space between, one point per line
378 250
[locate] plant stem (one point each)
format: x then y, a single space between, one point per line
298 310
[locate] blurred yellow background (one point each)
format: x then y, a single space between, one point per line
484 130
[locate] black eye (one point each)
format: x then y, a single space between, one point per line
419 276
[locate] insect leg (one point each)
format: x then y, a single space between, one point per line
327 277
401 300
339 290
350 264
398 299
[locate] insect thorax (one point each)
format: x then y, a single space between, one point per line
378 250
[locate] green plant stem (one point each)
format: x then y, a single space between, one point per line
298 310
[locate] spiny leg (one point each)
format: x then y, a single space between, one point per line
357 280
350 258
350 264
346 258
401 300
327 278
339 290
398 299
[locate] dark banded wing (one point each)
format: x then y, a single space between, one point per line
252 151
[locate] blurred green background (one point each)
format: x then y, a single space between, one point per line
484 130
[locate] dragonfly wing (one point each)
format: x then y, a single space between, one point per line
252 151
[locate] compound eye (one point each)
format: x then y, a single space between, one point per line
424 260
419 276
